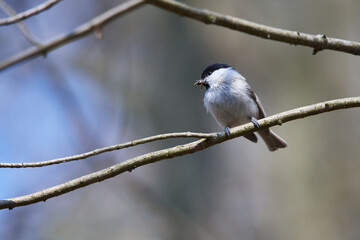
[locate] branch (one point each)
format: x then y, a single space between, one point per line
317 42
107 149
29 13
93 25
22 27
179 150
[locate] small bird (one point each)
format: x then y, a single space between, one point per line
230 100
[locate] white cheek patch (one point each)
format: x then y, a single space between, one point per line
216 77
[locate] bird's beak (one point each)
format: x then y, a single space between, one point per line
199 82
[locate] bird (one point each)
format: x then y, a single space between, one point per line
231 101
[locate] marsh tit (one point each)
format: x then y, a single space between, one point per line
230 100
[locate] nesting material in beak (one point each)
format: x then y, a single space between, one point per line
199 82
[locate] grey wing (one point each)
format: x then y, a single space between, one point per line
262 113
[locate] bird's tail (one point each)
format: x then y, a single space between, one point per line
273 141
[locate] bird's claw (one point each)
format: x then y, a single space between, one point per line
255 122
227 131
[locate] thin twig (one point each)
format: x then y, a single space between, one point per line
94 25
107 149
22 27
176 151
317 42
29 13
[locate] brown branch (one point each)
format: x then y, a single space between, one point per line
94 25
106 149
317 42
29 13
176 151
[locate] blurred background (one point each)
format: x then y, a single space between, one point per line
137 82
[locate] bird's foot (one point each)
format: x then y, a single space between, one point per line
255 122
227 131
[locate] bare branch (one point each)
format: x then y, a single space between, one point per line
317 42
29 13
107 149
176 151
22 27
94 25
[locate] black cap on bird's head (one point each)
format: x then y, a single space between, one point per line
212 68
208 71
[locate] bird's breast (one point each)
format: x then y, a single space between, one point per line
230 107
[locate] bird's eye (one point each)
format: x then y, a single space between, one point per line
209 73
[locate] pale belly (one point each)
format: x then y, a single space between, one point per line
231 111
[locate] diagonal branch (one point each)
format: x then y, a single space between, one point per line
107 149
317 42
29 13
93 25
22 27
179 150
